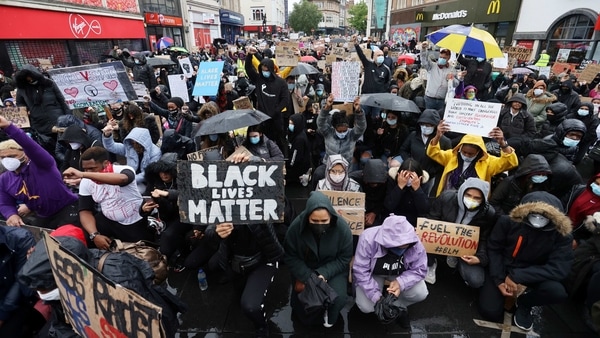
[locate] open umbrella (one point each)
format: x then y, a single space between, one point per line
308 58
178 49
159 62
389 101
406 58
467 40
303 68
231 120
164 42
338 40
522 70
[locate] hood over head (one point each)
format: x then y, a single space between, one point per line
517 98
318 200
173 141
141 136
540 83
475 140
332 160
566 126
546 204
430 116
558 108
270 66
567 83
75 134
589 105
29 70
395 231
375 171
473 183
533 164
141 57
68 120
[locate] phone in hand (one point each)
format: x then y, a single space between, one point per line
148 199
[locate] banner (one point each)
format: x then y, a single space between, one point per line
16 115
94 305
448 239
208 78
472 117
350 206
178 86
94 85
220 191
285 54
344 80
186 67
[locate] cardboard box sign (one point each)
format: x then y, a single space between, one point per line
218 191
242 103
350 206
447 239
17 116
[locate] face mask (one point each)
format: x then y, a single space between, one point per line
583 112
266 74
341 135
213 137
470 96
467 159
337 178
11 163
383 115
480 59
426 130
291 86
514 90
173 111
291 127
470 204
392 122
34 82
319 92
442 61
318 229
255 139
538 178
595 188
570 142
380 59
537 221
397 251
75 145
50 296
137 62
565 90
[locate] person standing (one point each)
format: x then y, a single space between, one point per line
479 75
542 60
377 76
438 75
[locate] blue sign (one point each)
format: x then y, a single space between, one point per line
208 78
231 18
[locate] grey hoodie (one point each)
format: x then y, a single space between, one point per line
465 216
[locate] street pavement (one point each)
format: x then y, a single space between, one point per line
448 311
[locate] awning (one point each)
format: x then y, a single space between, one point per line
231 18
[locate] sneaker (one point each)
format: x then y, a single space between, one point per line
430 278
404 320
179 268
523 318
452 261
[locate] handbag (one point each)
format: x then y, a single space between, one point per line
242 264
144 251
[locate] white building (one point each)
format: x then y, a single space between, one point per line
263 17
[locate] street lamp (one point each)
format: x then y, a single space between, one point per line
264 26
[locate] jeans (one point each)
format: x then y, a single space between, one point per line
473 275
407 297
433 103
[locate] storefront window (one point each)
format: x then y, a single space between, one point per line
571 40
166 7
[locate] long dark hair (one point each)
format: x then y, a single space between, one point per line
411 164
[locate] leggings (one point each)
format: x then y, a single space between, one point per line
257 283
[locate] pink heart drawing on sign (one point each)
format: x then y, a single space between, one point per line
72 91
111 85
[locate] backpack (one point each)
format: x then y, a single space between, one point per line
145 251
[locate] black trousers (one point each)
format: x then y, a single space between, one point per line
126 233
256 284
67 215
593 289
173 237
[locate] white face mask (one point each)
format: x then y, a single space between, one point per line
75 145
596 107
538 92
49 296
537 221
11 163
337 178
426 130
470 204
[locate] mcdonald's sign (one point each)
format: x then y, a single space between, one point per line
494 7
420 16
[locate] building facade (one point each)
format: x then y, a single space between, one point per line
263 18
163 18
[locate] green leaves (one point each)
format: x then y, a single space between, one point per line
359 17
305 16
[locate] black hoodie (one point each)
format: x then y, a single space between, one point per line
142 71
74 134
570 98
298 160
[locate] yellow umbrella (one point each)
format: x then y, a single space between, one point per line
466 40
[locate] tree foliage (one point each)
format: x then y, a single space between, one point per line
358 20
305 16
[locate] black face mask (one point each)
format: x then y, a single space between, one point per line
318 229
565 90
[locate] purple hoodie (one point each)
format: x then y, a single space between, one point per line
38 184
372 243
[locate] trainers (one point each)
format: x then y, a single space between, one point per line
452 261
430 278
404 320
523 318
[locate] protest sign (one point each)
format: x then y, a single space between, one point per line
562 55
321 64
294 36
16 115
200 154
350 206
239 150
339 52
285 54
589 73
94 305
94 85
208 78
221 191
501 63
518 53
344 80
448 239
560 67
347 106
472 117
242 103
544 71
45 63
330 59
140 90
186 67
178 86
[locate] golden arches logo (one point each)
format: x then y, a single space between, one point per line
494 7
420 17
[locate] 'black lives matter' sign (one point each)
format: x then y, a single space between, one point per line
219 191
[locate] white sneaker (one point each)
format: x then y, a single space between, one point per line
452 261
430 278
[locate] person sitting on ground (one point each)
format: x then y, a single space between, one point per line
390 253
261 147
298 161
514 119
373 183
556 113
76 141
404 194
336 177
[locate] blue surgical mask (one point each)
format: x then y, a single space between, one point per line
291 86
583 112
392 122
442 61
539 178
595 188
380 59
480 59
570 142
398 251
319 92
255 139
341 135
467 159
291 127
213 137
425 130
266 74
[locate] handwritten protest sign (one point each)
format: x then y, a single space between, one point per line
242 103
94 85
472 117
285 54
330 59
347 106
186 67
448 239
16 115
339 52
199 155
518 53
208 78
140 90
220 191
94 305
589 73
344 80
178 86
501 63
561 67
350 206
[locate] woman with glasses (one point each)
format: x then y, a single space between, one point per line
336 176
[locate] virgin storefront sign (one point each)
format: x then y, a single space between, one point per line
25 23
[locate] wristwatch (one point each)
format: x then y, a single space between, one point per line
505 145
93 235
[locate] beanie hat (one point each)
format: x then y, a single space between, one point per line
177 100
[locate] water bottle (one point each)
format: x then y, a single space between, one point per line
202 283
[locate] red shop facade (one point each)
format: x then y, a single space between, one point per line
65 39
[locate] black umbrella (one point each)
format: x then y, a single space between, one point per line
303 68
159 62
338 40
231 120
317 295
389 101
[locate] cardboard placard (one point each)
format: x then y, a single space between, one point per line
220 191
239 150
560 67
140 90
45 63
347 106
178 86
285 54
94 85
17 116
208 78
339 52
94 305
344 80
518 53
242 103
159 125
330 59
472 117
321 64
589 73
350 206
199 155
448 239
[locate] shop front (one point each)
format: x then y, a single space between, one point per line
232 24
159 25
261 32
67 39
205 26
